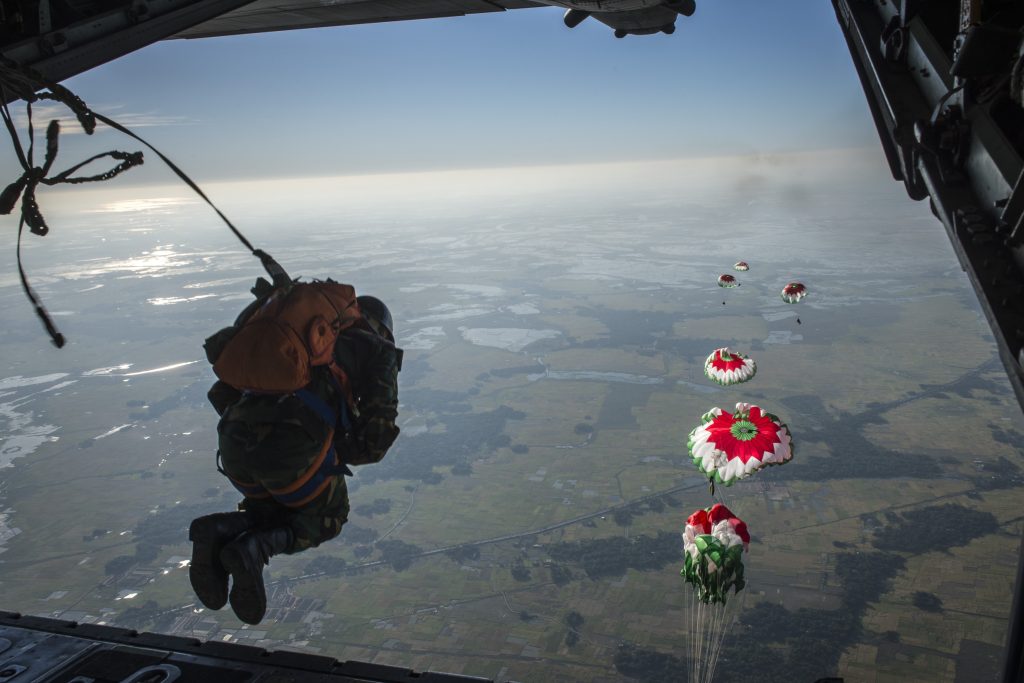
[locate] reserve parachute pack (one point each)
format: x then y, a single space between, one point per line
274 349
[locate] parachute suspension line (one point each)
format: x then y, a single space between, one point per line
708 625
729 616
25 83
698 640
696 635
719 618
692 635
720 491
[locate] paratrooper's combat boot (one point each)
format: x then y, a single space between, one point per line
209 534
244 558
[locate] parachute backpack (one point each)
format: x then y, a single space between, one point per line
294 330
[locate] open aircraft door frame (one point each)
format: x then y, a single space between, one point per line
64 52
944 82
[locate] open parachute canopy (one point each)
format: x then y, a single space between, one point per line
731 446
741 266
727 367
726 280
793 292
713 543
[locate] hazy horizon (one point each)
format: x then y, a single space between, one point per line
500 89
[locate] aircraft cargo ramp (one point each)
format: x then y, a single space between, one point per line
42 650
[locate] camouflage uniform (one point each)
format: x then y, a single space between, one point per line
272 442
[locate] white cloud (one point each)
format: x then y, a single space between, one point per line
42 114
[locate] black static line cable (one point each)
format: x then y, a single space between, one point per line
273 268
28 82
181 174
56 337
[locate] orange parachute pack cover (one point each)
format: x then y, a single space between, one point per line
294 331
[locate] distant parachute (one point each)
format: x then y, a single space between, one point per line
727 367
713 543
742 266
726 280
793 292
731 446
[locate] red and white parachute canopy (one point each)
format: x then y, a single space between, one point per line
793 292
742 266
731 446
726 280
729 367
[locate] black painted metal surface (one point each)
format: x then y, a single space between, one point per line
42 650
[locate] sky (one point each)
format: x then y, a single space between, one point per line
739 78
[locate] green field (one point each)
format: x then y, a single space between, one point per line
897 404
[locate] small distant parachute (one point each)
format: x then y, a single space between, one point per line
793 292
731 446
727 367
726 280
713 543
742 266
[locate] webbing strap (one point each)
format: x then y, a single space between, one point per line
324 411
344 419
318 406
327 467
246 488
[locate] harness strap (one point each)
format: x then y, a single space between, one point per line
324 411
318 406
307 487
326 466
246 488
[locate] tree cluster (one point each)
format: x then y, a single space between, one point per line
927 602
352 534
935 528
326 564
1002 474
465 438
462 469
613 556
380 506
520 572
560 575
649 666
463 553
399 554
